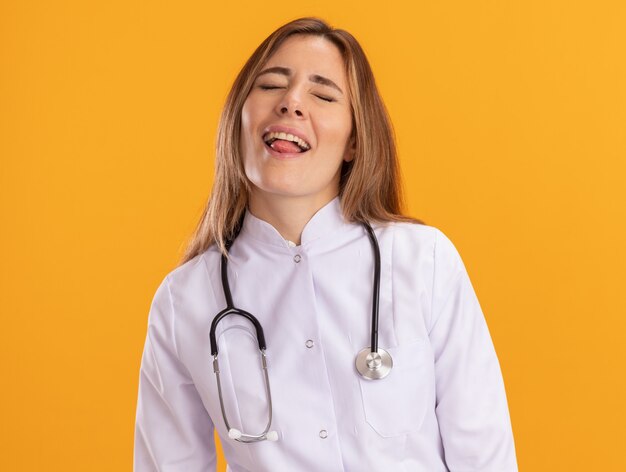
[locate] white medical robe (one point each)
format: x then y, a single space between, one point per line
442 408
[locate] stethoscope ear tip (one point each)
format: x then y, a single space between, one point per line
234 433
272 436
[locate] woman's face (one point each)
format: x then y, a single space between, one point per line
296 122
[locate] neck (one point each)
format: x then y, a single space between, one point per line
289 215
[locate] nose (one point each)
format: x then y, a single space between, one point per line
285 111
290 105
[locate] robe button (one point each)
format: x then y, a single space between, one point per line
309 343
297 258
323 434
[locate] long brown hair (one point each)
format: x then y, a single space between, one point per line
369 188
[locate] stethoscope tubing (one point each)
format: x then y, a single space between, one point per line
368 362
231 310
376 290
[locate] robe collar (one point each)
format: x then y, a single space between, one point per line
326 222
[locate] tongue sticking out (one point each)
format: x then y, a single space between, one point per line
282 145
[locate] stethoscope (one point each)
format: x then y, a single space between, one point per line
372 363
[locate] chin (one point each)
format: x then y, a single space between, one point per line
284 189
281 183
278 183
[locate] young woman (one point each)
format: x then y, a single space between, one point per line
310 323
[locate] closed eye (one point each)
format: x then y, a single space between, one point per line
326 99
273 87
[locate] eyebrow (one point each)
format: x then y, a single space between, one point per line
318 79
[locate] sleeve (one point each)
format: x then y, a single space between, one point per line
173 431
471 404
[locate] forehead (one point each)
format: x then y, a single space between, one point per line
312 54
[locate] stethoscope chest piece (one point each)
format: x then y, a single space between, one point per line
373 365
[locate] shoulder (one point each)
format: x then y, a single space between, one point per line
193 275
187 292
409 233
423 260
409 238
425 250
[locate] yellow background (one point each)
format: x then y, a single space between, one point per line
510 118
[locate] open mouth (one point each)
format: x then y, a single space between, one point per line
285 143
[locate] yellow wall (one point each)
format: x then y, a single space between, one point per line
510 117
